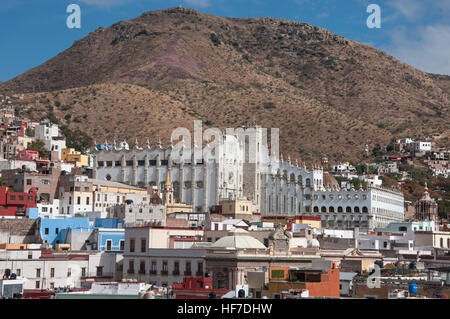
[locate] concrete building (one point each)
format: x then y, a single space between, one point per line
45 269
75 193
70 155
164 267
107 194
53 141
139 214
242 168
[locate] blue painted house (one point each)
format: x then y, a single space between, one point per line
54 231
111 239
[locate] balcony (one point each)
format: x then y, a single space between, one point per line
153 272
164 273
141 271
175 273
199 273
188 273
130 271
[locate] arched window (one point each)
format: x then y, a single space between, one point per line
308 182
292 178
442 242
365 210
348 209
331 209
316 209
356 209
323 209
340 210
300 180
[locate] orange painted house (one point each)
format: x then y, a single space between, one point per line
319 283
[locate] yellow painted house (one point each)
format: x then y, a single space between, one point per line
70 155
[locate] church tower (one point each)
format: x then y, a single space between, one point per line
426 208
168 191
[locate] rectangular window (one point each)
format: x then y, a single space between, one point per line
109 244
142 267
83 272
153 268
200 269
99 272
131 266
38 272
12 197
176 268
52 272
122 244
165 268
188 270
56 230
69 272
37 285
132 245
46 231
143 245
78 200
21 197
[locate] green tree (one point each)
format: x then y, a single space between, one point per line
39 146
377 151
29 132
77 139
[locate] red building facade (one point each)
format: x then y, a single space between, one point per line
15 204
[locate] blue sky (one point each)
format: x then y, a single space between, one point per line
414 31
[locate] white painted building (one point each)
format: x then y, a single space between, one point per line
422 146
50 210
58 269
49 134
242 167
164 267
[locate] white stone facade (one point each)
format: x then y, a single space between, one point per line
242 168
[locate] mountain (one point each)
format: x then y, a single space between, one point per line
327 94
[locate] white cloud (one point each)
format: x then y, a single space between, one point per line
411 9
424 47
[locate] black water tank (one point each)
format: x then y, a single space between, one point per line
13 276
241 293
7 272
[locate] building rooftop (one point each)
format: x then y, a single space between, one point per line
239 239
112 184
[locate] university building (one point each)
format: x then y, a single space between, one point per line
241 168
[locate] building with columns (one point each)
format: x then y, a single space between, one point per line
241 168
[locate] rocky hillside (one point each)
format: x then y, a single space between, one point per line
328 95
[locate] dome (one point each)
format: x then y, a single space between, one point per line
239 239
329 179
314 243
